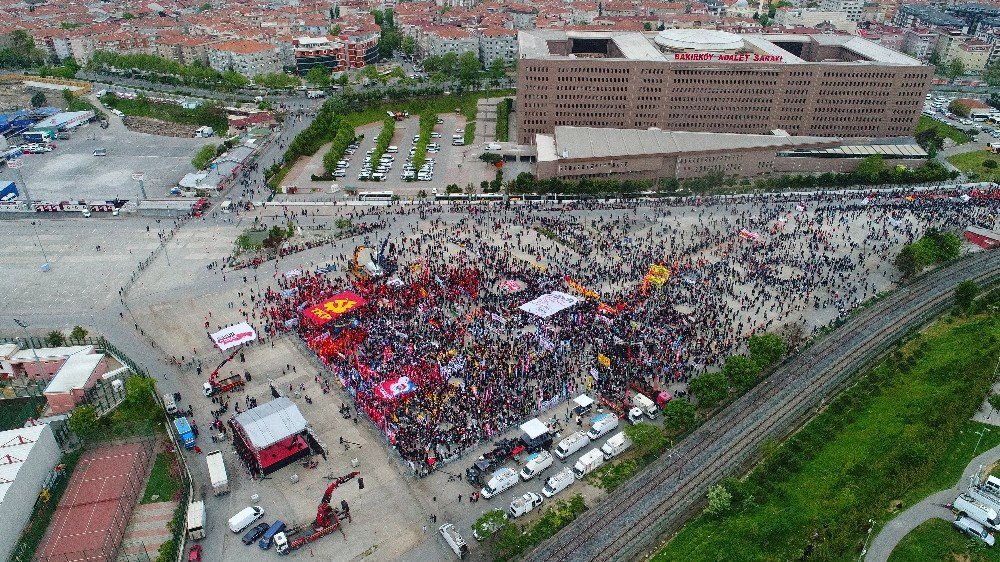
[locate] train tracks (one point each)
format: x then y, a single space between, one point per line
658 501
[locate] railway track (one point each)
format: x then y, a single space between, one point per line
658 501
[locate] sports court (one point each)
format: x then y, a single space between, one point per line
91 518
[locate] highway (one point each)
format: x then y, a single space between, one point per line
629 523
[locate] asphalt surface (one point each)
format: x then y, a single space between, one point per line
631 521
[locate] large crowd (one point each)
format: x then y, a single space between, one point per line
440 356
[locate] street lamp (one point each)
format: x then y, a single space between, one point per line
38 362
15 164
982 432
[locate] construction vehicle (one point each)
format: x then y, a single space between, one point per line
216 385
327 519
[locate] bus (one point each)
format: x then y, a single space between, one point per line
375 196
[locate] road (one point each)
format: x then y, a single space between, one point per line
930 507
631 521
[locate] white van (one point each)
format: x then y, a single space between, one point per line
615 445
588 463
245 518
602 425
503 479
227 206
537 463
392 149
647 405
524 504
454 540
169 404
974 529
559 482
967 506
572 444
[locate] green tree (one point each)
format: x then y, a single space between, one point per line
741 371
469 69
719 500
234 80
679 415
20 51
496 71
954 69
948 246
766 349
318 76
37 99
204 156
965 293
959 108
648 441
408 46
870 169
934 59
78 333
710 388
930 140
992 75
83 420
55 339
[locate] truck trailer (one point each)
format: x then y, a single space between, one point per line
217 473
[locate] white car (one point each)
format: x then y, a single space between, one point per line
973 528
435 135
459 131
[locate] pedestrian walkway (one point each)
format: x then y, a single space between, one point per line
148 529
931 507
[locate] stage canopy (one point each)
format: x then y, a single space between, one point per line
269 423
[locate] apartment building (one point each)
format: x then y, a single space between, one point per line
249 58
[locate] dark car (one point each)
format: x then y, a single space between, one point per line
255 533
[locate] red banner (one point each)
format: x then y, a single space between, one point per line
334 307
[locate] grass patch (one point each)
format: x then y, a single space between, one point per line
503 119
14 412
163 482
945 130
513 540
42 515
208 114
937 540
900 433
972 163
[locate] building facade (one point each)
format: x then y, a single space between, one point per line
497 43
249 58
698 80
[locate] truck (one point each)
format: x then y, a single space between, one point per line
647 406
559 482
615 445
601 425
281 538
204 132
196 520
217 473
502 480
967 506
36 136
216 385
315 94
184 432
454 540
536 464
588 463
572 444
328 519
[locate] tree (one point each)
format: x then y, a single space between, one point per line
965 293
947 244
766 349
954 69
204 156
648 26
647 440
78 333
741 371
958 107
408 46
710 388
934 59
870 169
37 99
83 420
491 523
20 51
930 140
679 415
496 71
990 164
318 76
55 339
719 500
992 75
469 69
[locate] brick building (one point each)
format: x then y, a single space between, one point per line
716 81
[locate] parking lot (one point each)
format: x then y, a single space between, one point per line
936 107
71 171
457 165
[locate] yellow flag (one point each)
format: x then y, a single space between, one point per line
604 360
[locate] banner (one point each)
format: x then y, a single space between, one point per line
657 275
234 335
9 193
512 286
394 388
748 234
549 304
334 307
580 288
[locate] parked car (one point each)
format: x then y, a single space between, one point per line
195 554
253 534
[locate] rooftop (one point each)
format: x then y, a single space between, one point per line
931 15
587 142
243 47
271 422
74 373
15 446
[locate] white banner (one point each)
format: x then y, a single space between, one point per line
549 304
234 335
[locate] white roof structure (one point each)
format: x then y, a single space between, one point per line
50 353
74 373
698 40
534 428
583 400
269 423
15 446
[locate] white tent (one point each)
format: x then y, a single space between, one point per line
534 428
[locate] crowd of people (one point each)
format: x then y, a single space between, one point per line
441 357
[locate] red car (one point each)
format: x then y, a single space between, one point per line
195 554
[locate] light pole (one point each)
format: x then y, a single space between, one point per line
15 164
982 432
137 176
38 362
